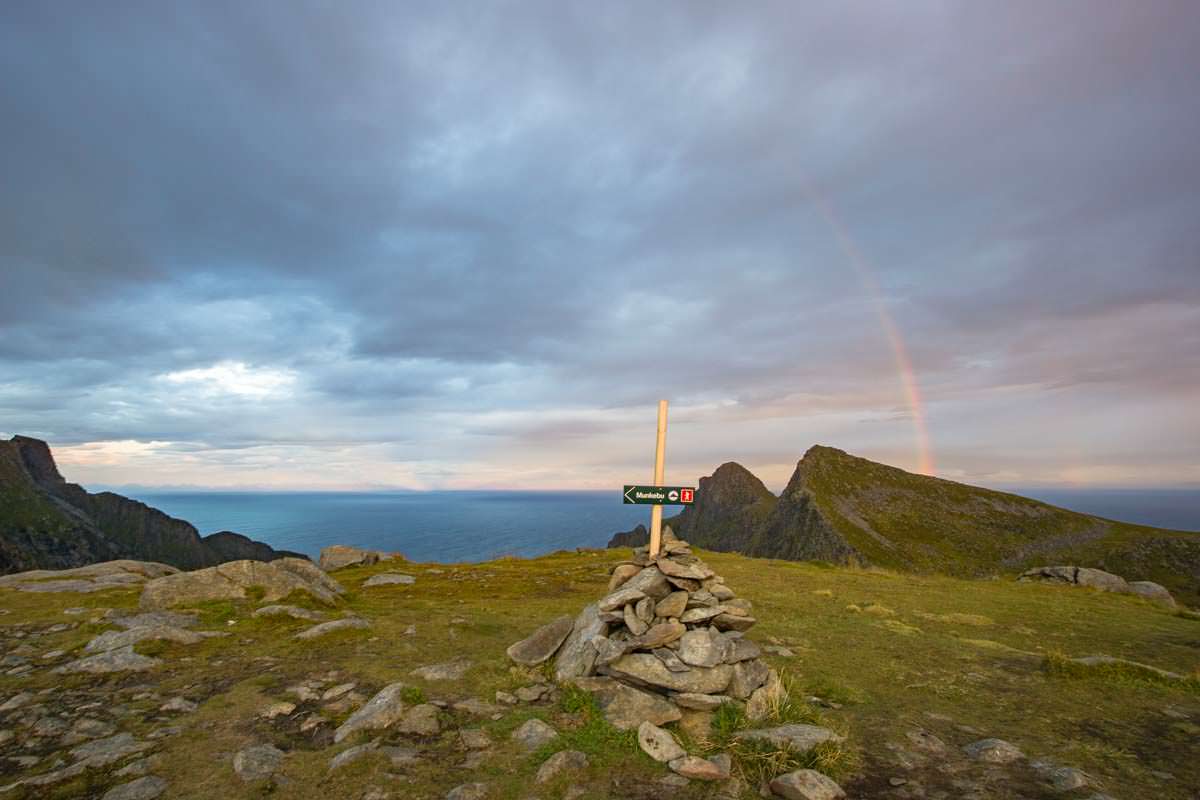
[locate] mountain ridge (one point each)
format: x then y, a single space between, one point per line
848 510
49 523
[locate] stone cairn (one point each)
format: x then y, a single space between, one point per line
668 636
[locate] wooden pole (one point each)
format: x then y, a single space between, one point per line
660 447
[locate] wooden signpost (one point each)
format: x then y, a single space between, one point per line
658 495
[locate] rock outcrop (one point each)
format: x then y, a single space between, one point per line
337 556
668 634
1099 579
231 581
48 523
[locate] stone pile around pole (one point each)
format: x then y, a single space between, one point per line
669 635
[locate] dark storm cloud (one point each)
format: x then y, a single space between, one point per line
233 224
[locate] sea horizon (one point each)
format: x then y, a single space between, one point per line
457 525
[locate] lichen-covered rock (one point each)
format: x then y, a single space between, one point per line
796 736
562 762
649 670
533 734
257 762
337 556
344 624
577 657
993 751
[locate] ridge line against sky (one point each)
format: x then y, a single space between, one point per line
287 245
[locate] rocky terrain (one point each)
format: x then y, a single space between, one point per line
48 523
579 676
847 510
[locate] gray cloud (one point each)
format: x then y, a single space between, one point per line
487 239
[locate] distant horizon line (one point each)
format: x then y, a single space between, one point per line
197 489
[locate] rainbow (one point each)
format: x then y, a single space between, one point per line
908 376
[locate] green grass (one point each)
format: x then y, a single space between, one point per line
1118 674
887 682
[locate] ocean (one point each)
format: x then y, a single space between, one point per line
482 525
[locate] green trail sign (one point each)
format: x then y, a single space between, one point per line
660 495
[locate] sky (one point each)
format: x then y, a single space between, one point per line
354 245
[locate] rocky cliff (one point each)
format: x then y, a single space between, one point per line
847 510
48 523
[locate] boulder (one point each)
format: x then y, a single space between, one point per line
146 788
625 707
344 624
111 640
1152 591
795 736
447 671
420 720
337 556
384 709
533 734
542 643
230 581
806 784
646 669
658 743
257 763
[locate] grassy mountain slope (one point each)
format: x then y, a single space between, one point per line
903 656
848 510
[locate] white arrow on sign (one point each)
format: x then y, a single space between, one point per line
673 495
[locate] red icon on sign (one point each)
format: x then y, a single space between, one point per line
685 495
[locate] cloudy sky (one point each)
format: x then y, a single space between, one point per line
355 244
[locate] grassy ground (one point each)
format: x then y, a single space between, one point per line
899 656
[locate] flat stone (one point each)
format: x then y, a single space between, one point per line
731 622
699 702
674 567
636 625
389 579
648 669
670 660
701 648
111 640
102 752
560 763
420 720
651 582
232 580
747 676
766 698
473 705
170 619
401 756
121 659
672 605
352 754
384 709
577 656
179 705
658 635
806 784
621 574
448 671
474 739
993 751
742 650
697 769
542 643
625 707
533 734
344 624
796 736
620 598
295 612
334 692
146 788
258 762
694 616
658 743
280 709
16 701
